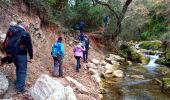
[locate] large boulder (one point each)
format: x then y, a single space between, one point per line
47 88
3 84
133 54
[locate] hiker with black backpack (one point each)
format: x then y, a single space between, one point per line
16 45
57 53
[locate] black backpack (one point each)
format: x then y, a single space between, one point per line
12 41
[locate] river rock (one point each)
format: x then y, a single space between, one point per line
109 68
114 58
3 84
163 70
92 71
140 69
137 76
129 62
47 88
91 65
79 86
95 61
96 78
103 63
113 62
118 73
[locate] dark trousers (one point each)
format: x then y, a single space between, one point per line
21 72
58 68
85 55
78 66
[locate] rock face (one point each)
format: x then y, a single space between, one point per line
3 84
47 88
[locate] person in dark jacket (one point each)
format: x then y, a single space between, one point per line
105 20
81 25
81 36
20 59
86 46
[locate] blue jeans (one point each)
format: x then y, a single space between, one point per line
78 66
21 72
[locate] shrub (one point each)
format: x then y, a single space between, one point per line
152 45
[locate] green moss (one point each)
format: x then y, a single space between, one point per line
167 57
166 81
160 61
152 45
135 56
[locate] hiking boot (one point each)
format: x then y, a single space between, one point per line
62 76
77 70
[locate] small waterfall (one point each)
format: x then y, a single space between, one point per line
152 65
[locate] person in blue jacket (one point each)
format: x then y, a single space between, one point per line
105 20
57 53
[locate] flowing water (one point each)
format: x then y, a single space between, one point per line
128 88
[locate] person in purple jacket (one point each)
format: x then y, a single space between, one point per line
78 54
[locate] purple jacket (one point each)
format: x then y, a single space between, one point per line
78 51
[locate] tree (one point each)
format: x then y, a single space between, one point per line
118 15
61 4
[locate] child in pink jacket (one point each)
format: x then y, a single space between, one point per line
78 53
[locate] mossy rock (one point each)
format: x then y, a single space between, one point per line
167 57
152 45
166 82
134 55
163 70
139 69
160 61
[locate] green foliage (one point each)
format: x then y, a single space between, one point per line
91 15
152 45
165 36
6 2
155 25
145 35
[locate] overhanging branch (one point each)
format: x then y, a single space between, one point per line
108 6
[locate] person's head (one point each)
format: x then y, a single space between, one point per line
59 39
19 21
80 44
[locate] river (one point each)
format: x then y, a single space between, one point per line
128 88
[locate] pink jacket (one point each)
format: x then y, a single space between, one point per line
78 51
